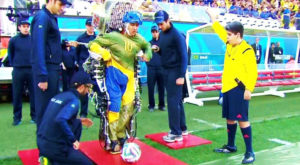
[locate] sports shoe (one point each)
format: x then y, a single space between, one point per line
15 123
248 158
151 109
115 147
43 160
161 108
122 141
185 133
170 138
226 149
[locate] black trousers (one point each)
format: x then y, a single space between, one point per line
22 76
42 98
155 76
66 77
176 113
64 154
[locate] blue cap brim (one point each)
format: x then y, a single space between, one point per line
22 23
158 21
65 2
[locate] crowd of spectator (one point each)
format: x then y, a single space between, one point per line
286 11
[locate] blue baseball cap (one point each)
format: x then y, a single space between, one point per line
88 21
161 16
154 28
23 21
81 78
65 2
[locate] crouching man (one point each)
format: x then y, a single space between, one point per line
59 133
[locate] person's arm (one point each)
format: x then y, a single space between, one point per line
183 56
39 37
11 51
66 113
146 47
97 45
251 70
104 41
218 28
74 56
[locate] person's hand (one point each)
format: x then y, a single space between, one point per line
144 58
76 145
247 95
155 48
180 81
73 43
63 66
86 122
212 14
43 85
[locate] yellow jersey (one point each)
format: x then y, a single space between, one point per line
239 62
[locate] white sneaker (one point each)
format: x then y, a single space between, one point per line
185 133
170 138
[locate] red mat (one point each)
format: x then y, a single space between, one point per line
29 157
188 141
150 155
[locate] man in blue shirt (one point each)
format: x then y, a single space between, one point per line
155 75
19 56
257 49
46 54
69 63
60 130
173 50
82 54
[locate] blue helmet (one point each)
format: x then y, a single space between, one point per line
133 17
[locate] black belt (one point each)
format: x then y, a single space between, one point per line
240 83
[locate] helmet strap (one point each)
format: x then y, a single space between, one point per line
126 29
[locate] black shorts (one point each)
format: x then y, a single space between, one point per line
235 107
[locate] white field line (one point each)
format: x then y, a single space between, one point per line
208 123
240 156
280 141
255 121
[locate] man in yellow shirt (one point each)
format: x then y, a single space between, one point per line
238 82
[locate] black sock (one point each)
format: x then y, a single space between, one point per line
247 135
231 130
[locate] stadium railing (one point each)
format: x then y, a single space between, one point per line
200 82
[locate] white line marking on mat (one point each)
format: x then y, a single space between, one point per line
205 122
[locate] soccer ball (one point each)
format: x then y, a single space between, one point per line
131 152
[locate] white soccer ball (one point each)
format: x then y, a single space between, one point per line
131 152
